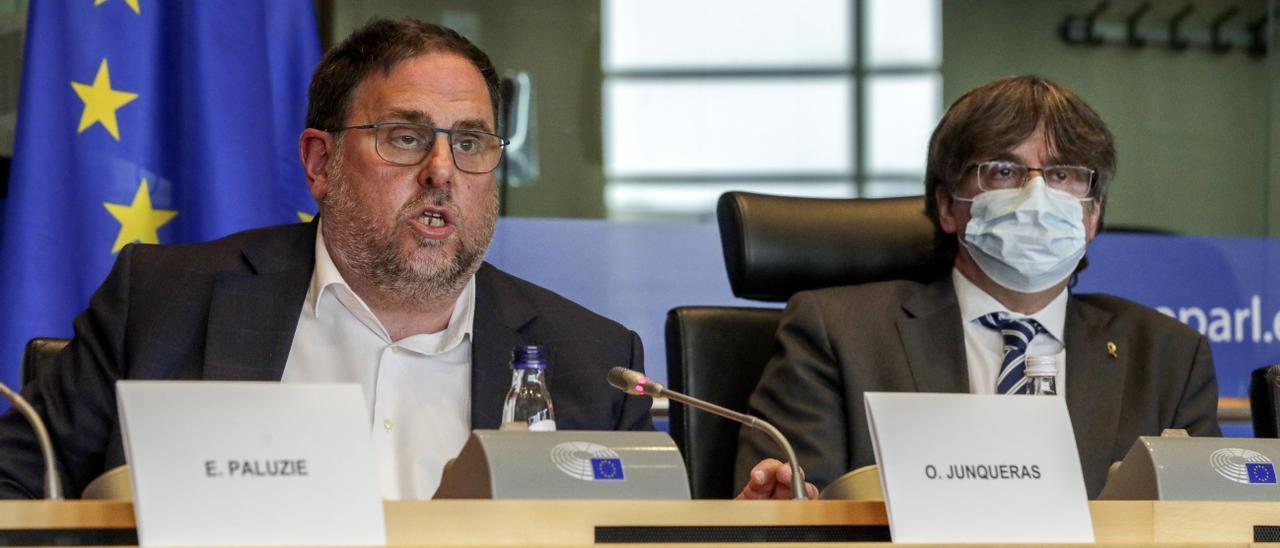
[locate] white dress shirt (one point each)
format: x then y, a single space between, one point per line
417 390
984 347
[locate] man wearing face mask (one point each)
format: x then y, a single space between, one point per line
1017 177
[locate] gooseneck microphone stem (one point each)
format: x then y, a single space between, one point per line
52 482
797 475
636 383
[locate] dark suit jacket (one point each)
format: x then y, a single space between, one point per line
835 344
227 310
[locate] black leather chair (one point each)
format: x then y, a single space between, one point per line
773 247
40 354
1264 395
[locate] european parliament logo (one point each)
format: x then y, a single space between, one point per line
1243 466
587 461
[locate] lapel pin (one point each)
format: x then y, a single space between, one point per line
1112 349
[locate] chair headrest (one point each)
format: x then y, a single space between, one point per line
775 246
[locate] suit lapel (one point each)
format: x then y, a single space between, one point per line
934 340
501 312
1094 383
253 316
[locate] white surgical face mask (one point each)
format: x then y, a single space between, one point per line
1026 239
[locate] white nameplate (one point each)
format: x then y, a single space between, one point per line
239 463
963 468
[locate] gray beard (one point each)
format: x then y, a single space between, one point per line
370 249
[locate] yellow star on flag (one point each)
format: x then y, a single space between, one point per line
305 217
101 102
138 221
132 4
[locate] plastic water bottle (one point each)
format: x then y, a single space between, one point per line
1042 373
528 405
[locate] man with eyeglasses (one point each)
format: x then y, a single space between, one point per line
386 288
1017 178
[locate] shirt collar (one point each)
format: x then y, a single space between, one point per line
976 303
326 275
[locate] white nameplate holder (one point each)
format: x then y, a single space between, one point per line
963 468
250 463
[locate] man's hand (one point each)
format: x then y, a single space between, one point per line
771 479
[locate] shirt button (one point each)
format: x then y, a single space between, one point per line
387 424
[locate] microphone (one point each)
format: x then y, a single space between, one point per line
52 483
637 384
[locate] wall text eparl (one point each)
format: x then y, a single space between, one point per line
1224 324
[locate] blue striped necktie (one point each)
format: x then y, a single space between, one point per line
1017 334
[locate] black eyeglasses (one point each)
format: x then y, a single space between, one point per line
407 144
998 175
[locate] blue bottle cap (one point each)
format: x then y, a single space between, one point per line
529 357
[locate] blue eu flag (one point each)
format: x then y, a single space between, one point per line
146 121
607 469
1261 472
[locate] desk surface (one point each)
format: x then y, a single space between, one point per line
577 522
